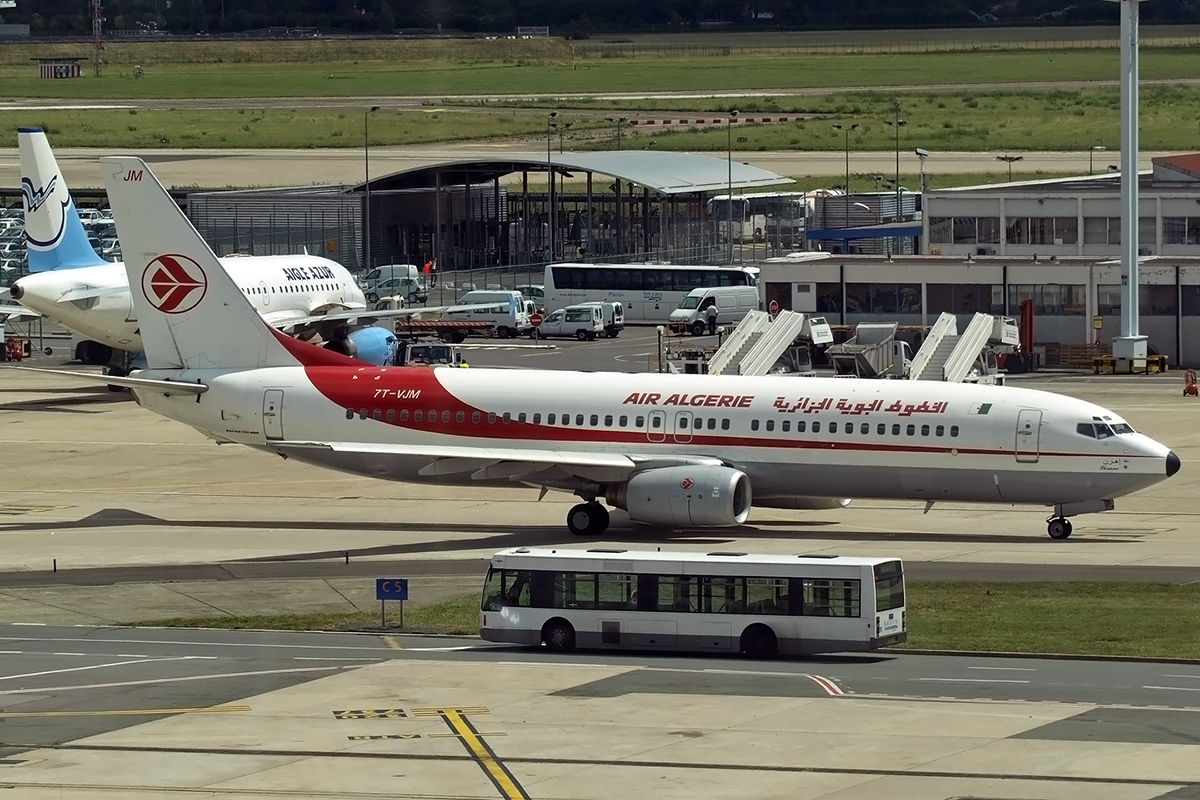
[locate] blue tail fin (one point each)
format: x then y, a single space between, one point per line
55 236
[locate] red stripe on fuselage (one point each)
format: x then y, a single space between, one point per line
418 389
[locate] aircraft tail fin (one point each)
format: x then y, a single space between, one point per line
191 313
56 237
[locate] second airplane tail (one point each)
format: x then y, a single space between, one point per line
56 237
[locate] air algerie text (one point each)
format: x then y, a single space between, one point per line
706 400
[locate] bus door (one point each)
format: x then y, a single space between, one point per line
1029 423
656 426
681 428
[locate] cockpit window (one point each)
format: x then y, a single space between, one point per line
1086 429
1103 431
1121 427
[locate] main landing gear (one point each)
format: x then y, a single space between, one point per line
1058 527
587 519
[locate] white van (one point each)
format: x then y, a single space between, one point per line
387 272
733 304
585 322
613 314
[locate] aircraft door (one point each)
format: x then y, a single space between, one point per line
273 413
682 428
656 426
1029 423
266 295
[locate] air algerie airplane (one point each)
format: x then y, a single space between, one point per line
71 285
687 451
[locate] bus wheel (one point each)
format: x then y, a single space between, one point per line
758 641
559 635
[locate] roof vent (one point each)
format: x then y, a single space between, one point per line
817 555
603 550
725 553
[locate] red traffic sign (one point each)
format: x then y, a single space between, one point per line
535 320
773 308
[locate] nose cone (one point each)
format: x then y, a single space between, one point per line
1172 463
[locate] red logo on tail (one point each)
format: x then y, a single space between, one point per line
174 284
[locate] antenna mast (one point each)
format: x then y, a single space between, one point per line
97 42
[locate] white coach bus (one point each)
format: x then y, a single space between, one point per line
761 605
648 292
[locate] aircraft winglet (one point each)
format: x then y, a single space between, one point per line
192 315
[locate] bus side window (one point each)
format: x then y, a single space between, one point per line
516 588
647 593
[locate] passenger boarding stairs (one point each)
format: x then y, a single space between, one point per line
737 344
759 342
771 345
947 355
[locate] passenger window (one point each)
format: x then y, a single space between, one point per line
579 419
506 418
953 431
655 423
683 422
770 424
712 423
418 415
940 430
608 420
697 423
537 419
391 415
476 417
640 422
725 424
491 417
816 426
924 430
880 429
550 419
566 419
362 413
785 426
833 427
594 420
753 424
865 428
896 430
623 421
460 417
445 416
349 413
801 425
911 430
521 418
404 415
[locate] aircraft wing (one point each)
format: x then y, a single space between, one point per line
88 292
359 316
539 466
15 313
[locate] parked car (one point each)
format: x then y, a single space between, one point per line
411 289
585 323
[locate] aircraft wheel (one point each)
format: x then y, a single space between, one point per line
1059 528
586 519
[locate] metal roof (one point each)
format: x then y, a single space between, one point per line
887 229
660 172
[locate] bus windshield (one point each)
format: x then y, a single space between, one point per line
889 586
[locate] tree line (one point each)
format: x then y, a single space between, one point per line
574 18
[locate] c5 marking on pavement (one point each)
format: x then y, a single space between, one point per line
371 713
379 736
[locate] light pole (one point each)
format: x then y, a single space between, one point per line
617 121
1009 160
566 126
729 158
897 124
550 182
846 129
367 186
1092 152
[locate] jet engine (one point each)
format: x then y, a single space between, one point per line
372 344
700 496
803 503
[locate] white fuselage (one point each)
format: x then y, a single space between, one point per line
860 438
95 301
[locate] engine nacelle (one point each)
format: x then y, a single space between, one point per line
372 344
804 503
701 496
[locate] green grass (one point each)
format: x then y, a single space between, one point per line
460 617
1116 619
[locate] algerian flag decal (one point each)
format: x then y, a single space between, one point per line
980 408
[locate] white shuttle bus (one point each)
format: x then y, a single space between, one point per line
648 292
760 605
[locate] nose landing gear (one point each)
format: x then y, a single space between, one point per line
1058 527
